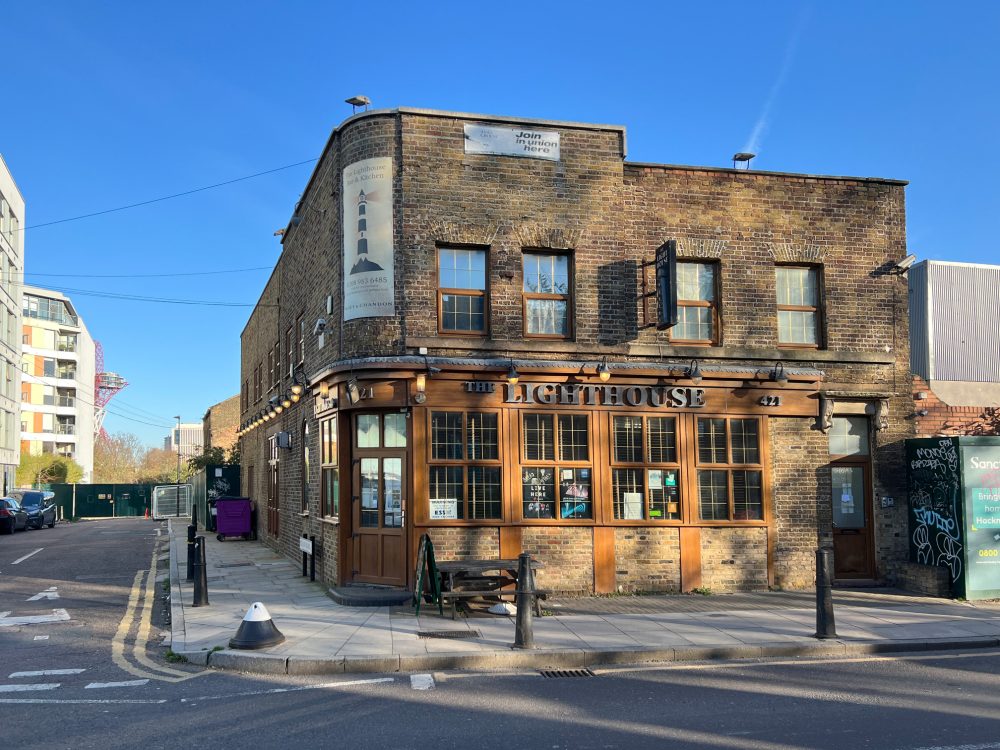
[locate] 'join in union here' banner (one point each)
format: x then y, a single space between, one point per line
368 252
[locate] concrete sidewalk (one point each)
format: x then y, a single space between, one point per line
323 637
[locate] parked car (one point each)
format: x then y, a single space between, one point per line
39 507
12 516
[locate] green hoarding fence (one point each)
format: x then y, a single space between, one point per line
102 500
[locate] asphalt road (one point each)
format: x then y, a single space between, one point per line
948 701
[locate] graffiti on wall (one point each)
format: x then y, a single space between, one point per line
935 493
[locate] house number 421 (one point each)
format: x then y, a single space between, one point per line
770 401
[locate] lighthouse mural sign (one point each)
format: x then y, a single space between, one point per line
368 251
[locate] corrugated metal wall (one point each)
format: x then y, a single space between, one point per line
965 322
920 353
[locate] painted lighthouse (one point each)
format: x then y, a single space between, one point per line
363 264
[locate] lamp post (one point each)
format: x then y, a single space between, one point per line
177 443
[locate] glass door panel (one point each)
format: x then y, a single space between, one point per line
848 497
392 483
370 495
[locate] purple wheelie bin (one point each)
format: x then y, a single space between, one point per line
232 517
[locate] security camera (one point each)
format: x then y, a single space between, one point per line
319 326
903 265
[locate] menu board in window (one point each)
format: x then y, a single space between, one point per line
538 492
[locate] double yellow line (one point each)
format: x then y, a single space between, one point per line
144 589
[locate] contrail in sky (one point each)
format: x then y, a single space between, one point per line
754 142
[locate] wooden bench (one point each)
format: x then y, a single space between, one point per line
455 596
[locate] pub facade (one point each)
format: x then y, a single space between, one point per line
461 338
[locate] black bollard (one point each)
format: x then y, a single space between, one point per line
190 566
524 637
200 598
312 559
194 515
305 555
825 625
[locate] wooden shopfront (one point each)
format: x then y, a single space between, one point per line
488 467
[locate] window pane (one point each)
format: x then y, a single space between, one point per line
693 324
796 327
331 492
628 439
484 492
328 433
446 435
748 502
546 274
744 441
664 494
538 492
392 482
395 430
713 495
574 440
446 496
627 492
462 269
696 281
539 439
574 493
547 316
482 437
369 492
849 436
712 441
848 496
460 312
796 286
368 429
662 437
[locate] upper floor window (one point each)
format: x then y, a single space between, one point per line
697 310
461 290
797 289
301 323
547 295
849 436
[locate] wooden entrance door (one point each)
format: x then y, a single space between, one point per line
273 503
853 555
379 512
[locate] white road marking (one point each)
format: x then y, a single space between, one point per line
126 683
421 682
49 593
45 672
28 688
273 691
987 746
79 700
58 615
41 637
22 559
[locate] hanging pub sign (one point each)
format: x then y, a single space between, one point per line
666 285
533 144
368 251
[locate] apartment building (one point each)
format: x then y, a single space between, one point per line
460 339
11 276
189 436
57 379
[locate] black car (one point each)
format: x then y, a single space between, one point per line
39 507
12 516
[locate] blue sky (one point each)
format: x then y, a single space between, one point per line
112 103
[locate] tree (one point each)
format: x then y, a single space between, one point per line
210 456
117 458
47 468
159 466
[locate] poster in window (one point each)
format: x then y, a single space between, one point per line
443 509
538 492
574 493
632 502
368 250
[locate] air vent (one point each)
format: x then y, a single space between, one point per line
553 673
448 634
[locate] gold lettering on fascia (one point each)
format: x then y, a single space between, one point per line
793 252
698 248
654 396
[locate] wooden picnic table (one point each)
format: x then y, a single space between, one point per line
462 579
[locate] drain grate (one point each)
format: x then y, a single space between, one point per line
448 633
552 673
234 565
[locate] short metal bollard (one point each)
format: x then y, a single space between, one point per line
524 599
194 515
825 625
200 597
192 530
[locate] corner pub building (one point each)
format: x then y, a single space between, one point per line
459 339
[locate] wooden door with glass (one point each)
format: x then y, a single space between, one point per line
850 482
380 498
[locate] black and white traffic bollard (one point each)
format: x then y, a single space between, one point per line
257 630
192 530
524 637
200 597
825 625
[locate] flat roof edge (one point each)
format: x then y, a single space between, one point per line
801 175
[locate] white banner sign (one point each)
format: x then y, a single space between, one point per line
534 144
444 509
368 251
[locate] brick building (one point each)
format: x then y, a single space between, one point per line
220 423
459 339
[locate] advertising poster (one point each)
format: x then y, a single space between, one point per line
533 144
981 474
368 251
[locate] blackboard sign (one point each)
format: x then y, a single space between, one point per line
538 492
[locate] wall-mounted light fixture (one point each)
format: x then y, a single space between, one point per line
286 401
512 374
694 372
778 374
603 371
324 389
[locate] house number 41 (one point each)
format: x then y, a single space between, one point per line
770 401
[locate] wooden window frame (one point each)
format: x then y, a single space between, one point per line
713 306
306 457
300 322
678 465
567 298
328 461
556 465
817 310
466 463
483 293
290 349
729 467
